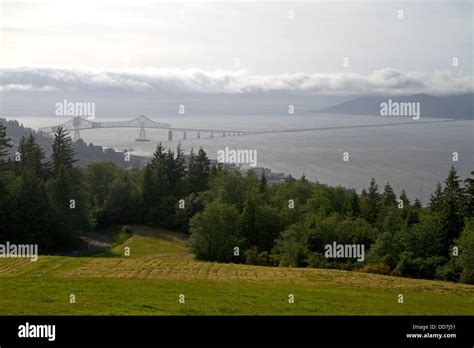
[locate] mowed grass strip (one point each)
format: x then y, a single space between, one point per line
160 268
109 296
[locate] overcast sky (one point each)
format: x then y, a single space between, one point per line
237 46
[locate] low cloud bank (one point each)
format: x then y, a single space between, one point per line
169 80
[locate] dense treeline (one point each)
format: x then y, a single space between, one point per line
50 201
290 224
234 217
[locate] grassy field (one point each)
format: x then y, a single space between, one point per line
159 269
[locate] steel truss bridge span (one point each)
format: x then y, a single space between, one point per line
142 122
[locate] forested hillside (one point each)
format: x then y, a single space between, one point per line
86 153
234 217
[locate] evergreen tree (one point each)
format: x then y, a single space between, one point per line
404 199
4 142
469 197
198 171
389 197
180 163
159 184
23 151
204 164
436 200
409 214
31 155
63 151
417 204
451 213
170 169
159 157
155 189
69 198
352 205
370 203
177 171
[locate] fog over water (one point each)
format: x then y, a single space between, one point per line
411 156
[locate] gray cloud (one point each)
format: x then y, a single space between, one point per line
171 80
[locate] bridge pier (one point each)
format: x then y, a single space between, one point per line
184 135
211 135
142 135
77 135
199 135
170 135
223 134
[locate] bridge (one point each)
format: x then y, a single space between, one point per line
142 122
78 123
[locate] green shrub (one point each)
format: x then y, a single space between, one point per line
215 232
127 229
449 271
263 258
466 253
289 249
378 268
251 256
317 260
418 267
